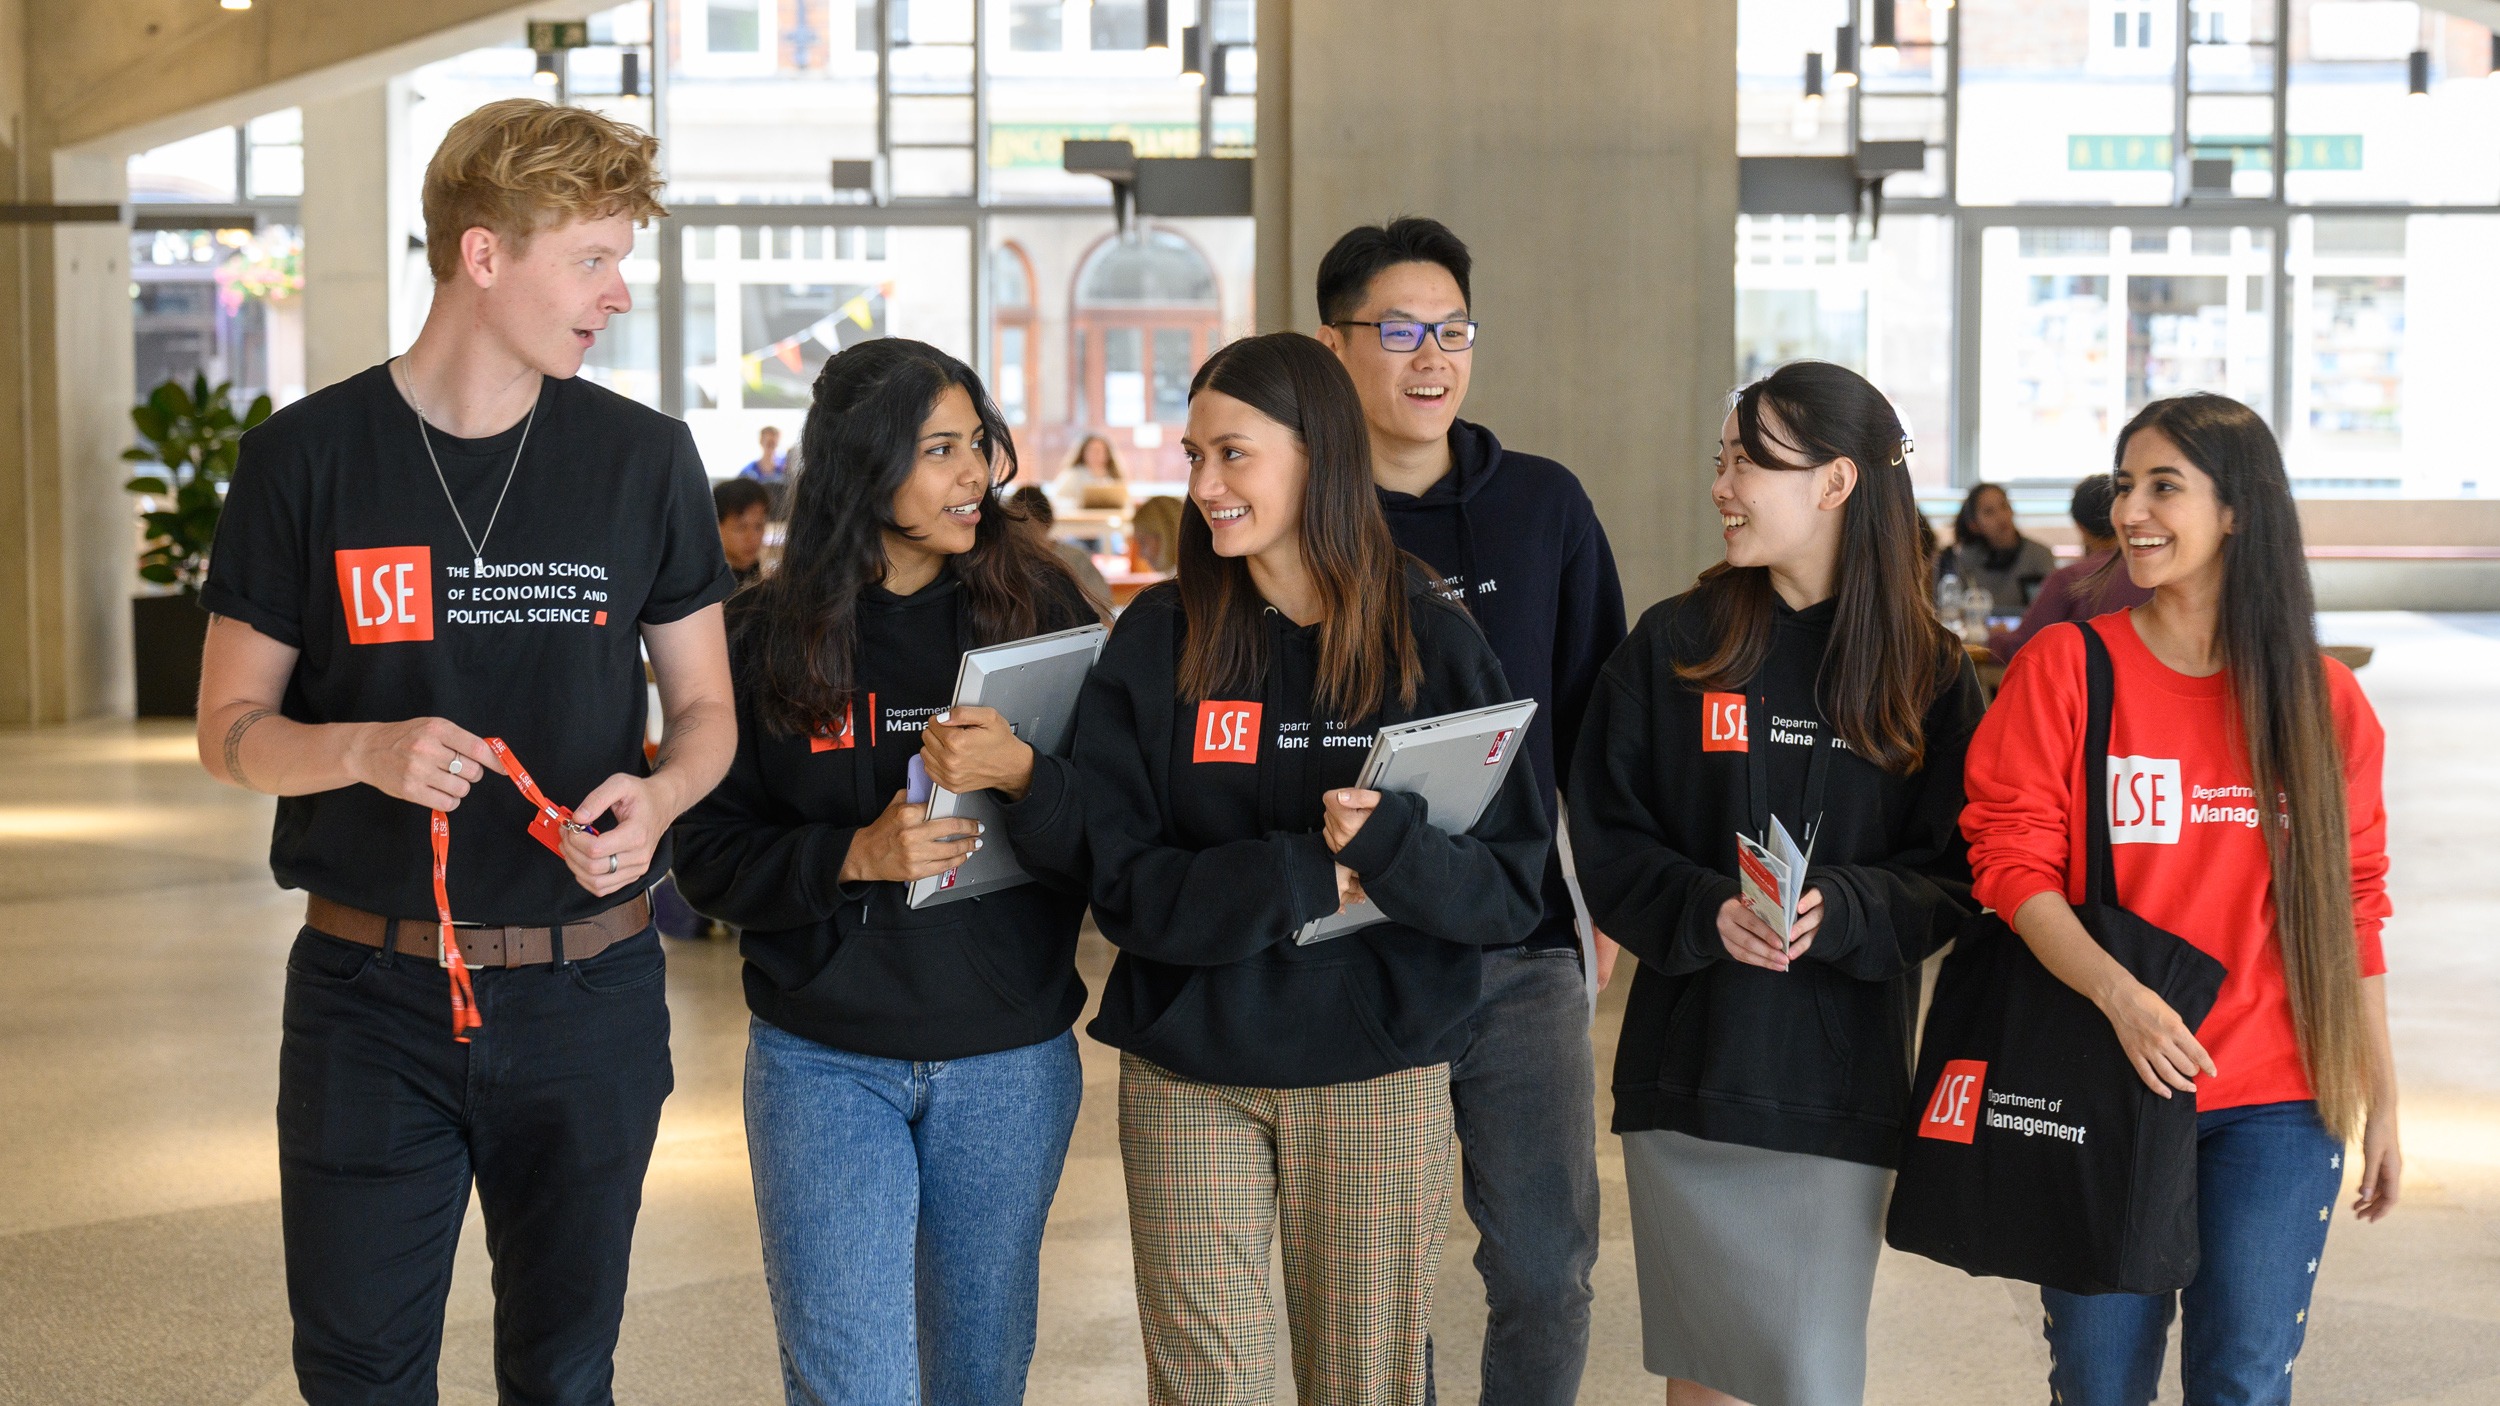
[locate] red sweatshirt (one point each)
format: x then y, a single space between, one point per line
2183 824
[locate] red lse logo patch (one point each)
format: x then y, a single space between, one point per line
1953 1114
1227 732
1501 744
387 593
1723 722
838 741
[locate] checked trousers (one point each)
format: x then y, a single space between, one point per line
1354 1179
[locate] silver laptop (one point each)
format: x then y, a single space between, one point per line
1454 762
1034 685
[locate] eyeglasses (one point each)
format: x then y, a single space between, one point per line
1401 335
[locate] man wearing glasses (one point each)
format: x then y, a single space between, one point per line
1520 545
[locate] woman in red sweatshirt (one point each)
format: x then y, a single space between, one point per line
2221 697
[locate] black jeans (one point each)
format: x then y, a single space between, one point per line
383 1123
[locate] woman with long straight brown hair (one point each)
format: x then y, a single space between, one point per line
2225 717
1762 1083
1269 1088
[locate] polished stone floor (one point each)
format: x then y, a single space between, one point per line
140 950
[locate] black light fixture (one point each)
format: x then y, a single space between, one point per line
2418 74
1884 28
1814 78
629 73
1193 52
546 73
1845 56
1158 24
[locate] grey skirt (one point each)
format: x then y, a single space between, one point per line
1756 1267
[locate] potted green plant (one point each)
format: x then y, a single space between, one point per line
192 435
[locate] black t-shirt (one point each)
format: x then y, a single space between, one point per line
337 540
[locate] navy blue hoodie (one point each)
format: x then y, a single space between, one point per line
1517 536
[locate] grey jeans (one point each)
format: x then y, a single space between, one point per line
1525 1100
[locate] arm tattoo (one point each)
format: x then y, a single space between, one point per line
234 746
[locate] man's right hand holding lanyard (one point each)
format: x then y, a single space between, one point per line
432 762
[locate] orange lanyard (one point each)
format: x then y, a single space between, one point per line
547 827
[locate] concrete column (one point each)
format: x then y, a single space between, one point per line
349 270
1587 154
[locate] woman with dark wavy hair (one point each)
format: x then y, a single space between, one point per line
1268 1088
1762 1082
2245 817
911 1078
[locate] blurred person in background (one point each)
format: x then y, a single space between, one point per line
2082 589
770 465
1988 553
1093 478
742 505
1038 517
1154 535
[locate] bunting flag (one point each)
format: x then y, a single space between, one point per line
860 311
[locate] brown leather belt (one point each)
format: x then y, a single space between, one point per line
483 946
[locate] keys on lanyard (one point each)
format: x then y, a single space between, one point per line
548 827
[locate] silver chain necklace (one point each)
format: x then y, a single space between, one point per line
477 545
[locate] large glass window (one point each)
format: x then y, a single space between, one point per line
767 304
1881 304
2396 324
2081 325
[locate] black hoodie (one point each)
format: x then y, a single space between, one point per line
1517 536
853 966
1204 821
1814 1059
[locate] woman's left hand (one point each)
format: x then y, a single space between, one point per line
973 749
1346 812
2382 1166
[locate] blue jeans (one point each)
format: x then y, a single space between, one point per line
901 1204
1524 1098
2266 1182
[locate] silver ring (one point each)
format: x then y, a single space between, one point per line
611 863
453 766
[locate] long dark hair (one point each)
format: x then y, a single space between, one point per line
2267 636
1889 656
1366 636
799 630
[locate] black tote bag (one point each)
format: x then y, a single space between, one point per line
2037 1153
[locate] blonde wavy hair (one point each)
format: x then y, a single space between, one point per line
521 165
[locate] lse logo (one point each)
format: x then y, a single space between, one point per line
2144 802
1501 744
839 740
1723 722
1952 1115
388 594
1227 732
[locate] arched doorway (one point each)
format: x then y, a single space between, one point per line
1146 312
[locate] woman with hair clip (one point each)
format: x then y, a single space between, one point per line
911 1078
1762 1085
1269 1088
2224 714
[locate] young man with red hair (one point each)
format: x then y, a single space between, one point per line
462 548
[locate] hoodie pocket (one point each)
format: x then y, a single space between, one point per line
897 983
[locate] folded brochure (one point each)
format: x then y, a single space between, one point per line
1774 877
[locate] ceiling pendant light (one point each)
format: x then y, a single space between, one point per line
1845 56
1814 78
2418 74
